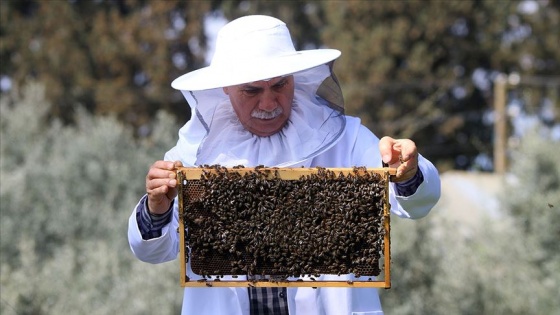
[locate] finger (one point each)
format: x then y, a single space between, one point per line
408 159
404 175
407 149
165 165
164 169
169 191
157 193
160 182
172 192
386 149
410 166
155 173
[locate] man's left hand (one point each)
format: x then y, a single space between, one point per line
400 154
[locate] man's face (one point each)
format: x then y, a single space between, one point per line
263 107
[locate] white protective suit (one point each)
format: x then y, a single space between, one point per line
348 144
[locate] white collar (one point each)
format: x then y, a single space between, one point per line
310 130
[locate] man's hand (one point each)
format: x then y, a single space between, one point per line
400 154
161 185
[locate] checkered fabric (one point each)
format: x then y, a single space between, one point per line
268 301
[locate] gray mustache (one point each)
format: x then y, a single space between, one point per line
261 114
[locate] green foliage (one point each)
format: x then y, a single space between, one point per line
66 195
534 204
439 268
506 263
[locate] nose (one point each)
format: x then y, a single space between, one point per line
268 101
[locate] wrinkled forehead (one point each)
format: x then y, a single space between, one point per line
280 77
275 79
263 82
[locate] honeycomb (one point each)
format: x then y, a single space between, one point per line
257 223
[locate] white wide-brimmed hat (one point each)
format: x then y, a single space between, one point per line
249 49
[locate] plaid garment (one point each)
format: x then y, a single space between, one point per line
150 225
268 301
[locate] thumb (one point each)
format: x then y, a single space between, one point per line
386 149
173 191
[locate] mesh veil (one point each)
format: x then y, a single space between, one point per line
214 134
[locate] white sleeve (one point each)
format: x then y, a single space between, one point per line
415 206
156 250
424 199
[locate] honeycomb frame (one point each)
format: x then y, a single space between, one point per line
187 176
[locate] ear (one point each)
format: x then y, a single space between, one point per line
226 90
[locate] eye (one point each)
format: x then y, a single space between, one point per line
250 91
280 84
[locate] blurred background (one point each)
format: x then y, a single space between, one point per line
86 107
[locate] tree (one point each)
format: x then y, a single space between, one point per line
110 56
533 200
66 194
418 69
423 69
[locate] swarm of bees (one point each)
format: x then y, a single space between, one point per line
258 224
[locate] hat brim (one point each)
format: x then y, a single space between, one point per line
255 70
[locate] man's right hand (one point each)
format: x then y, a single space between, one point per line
161 185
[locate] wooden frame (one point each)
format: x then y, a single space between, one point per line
185 174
